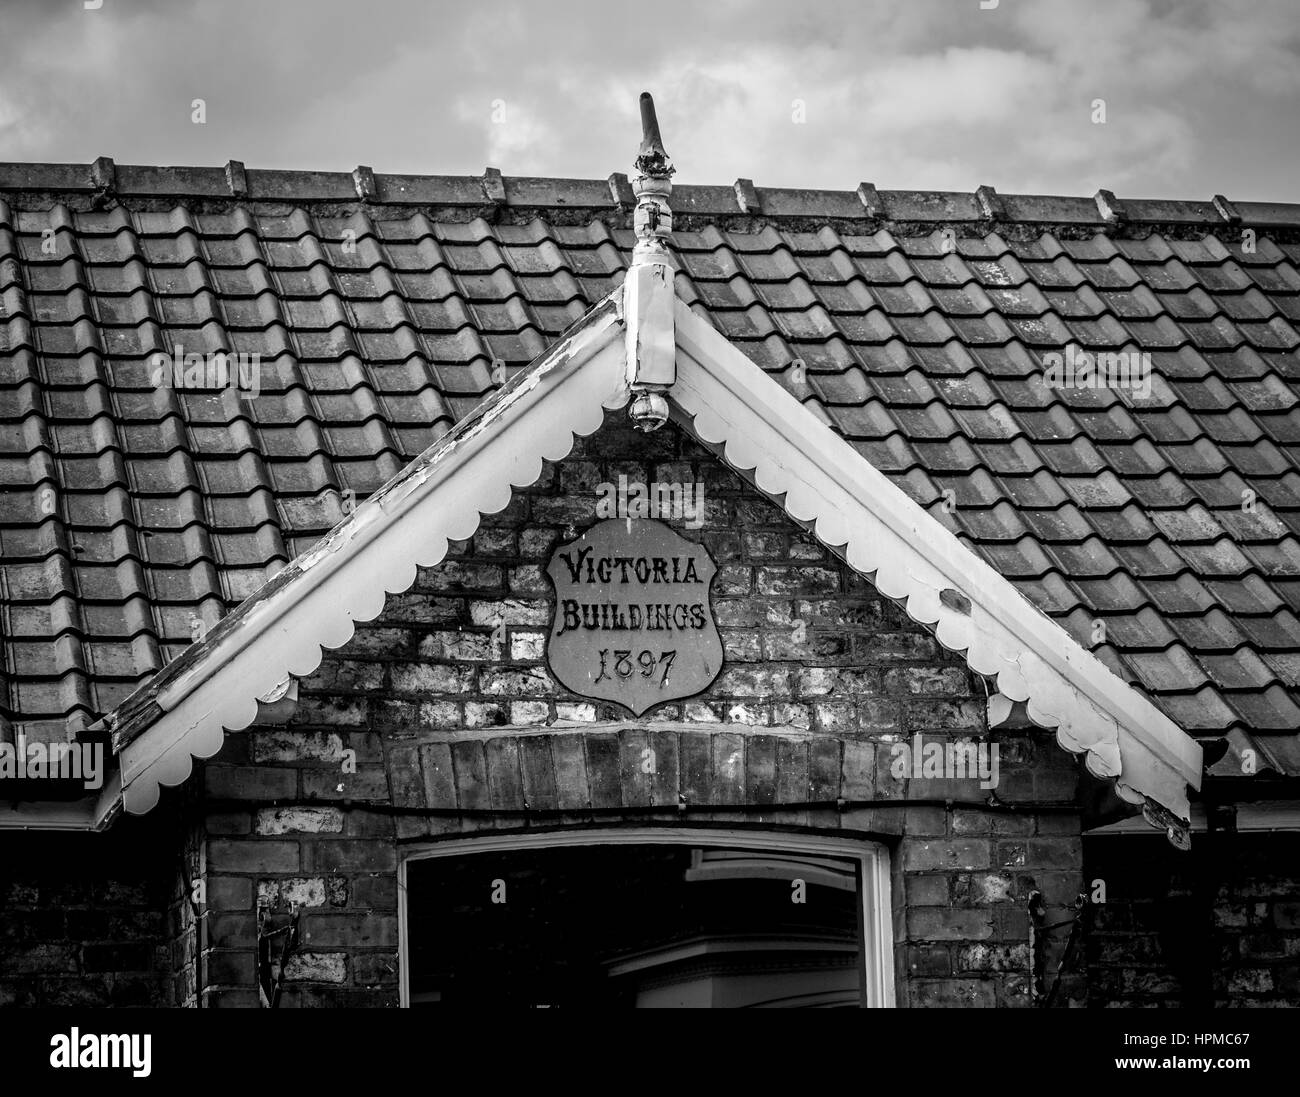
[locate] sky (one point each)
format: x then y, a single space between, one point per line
1176 99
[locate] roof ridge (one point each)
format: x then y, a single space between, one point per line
233 182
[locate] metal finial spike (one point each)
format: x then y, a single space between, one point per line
652 158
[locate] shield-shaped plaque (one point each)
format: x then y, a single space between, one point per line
633 619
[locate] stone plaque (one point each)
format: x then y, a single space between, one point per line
633 620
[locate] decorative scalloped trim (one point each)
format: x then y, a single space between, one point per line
348 577
762 430
758 427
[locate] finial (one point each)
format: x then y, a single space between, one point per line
652 158
648 288
653 219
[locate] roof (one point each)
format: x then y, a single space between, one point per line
379 303
641 339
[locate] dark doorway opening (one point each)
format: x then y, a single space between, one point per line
651 925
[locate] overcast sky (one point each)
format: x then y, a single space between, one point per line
1200 96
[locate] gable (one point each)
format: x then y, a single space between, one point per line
810 645
379 324
918 328
717 396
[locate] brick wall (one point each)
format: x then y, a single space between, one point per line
1216 926
422 727
86 919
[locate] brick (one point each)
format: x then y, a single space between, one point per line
299 820
480 714
732 579
421 609
353 855
983 888
791 714
529 713
922 822
815 681
836 717
505 786
696 766
798 580
928 681
297 891
728 764
824 769
332 709
237 930
956 853
470 767
38 959
252 855
755 715
1248 981
895 647
636 764
375 892
438 775
945 715
510 611
228 822
369 783
953 993
858 777
527 646
375 968
405 781
457 575
537 773
939 924
741 646
536 544
791 771
431 678
228 892
1010 854
569 754
230 967
928 891
279 745
380 641
513 683
1286 915
928 960
458 647
603 777
665 783
316 967
752 681
350 930
760 769
249 783
983 957
1065 853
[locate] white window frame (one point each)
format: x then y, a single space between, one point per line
872 857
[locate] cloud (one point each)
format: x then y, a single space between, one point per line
938 94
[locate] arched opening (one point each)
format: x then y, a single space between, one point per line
647 917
